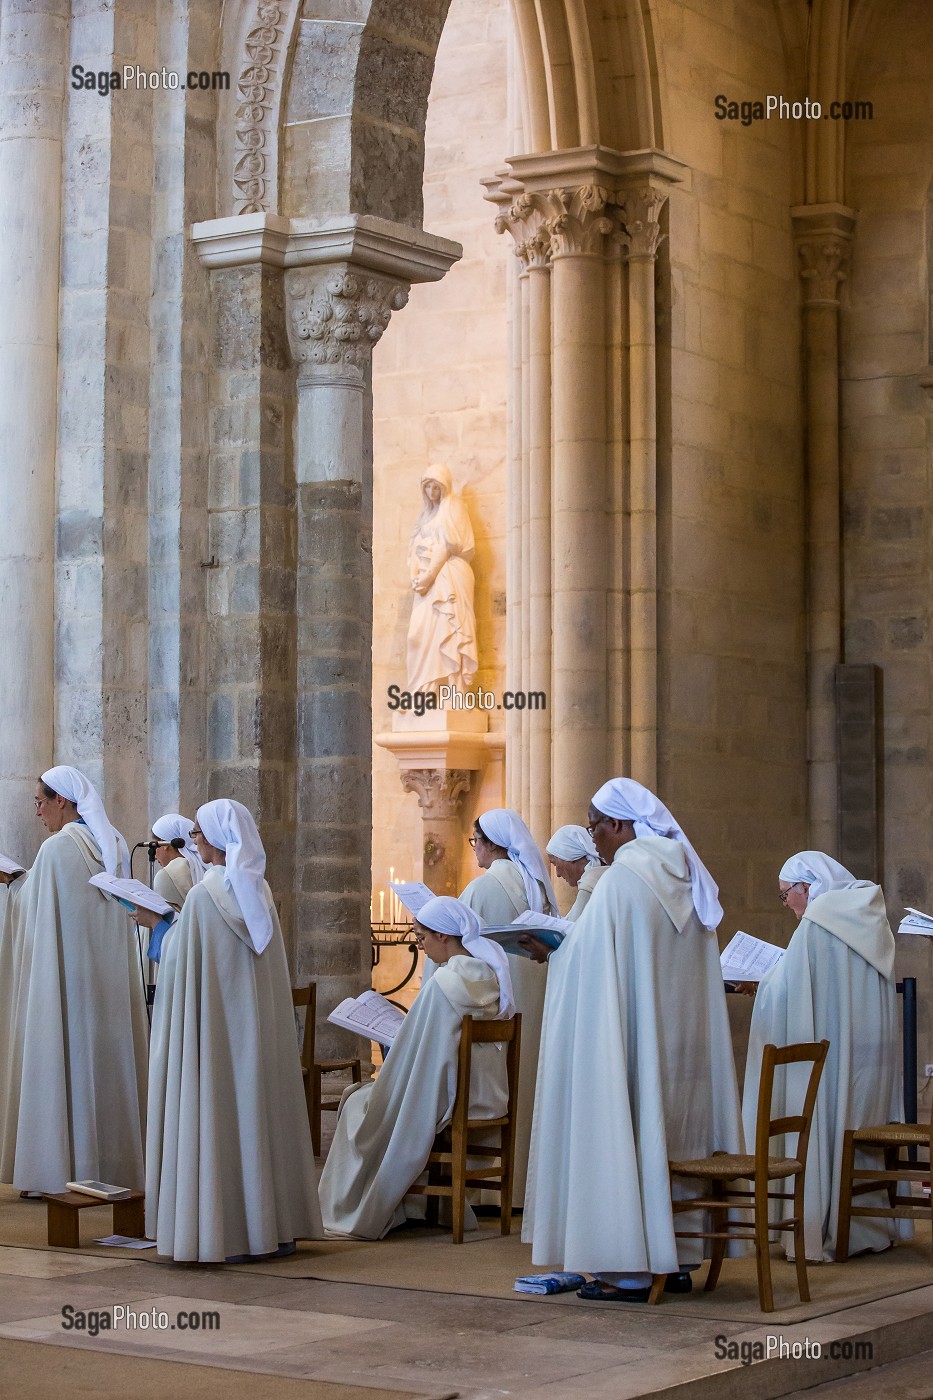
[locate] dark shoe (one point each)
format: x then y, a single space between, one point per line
679 1283
596 1292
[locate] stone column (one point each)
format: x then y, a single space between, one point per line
440 797
579 538
640 210
824 236
33 61
335 317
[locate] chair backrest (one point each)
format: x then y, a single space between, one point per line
473 1032
307 996
767 1127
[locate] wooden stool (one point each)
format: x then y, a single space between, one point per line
129 1216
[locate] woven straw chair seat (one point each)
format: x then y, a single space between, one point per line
725 1166
895 1134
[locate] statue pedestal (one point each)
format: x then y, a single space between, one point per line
438 753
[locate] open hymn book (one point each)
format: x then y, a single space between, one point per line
11 867
369 1015
914 921
131 892
747 959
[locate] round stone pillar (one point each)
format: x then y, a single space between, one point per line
33 61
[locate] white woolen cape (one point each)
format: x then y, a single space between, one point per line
73 1032
498 897
835 981
229 1168
173 882
636 1068
587 884
386 1128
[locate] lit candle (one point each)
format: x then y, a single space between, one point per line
382 900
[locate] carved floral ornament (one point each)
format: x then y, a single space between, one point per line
560 222
336 317
824 265
256 84
439 790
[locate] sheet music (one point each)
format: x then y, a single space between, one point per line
748 959
369 1015
412 893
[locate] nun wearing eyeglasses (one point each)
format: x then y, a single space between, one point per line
73 1031
576 861
835 981
229 1170
180 866
515 878
386 1128
636 1063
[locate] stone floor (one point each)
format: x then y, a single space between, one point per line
417 1343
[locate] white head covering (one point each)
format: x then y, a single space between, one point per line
444 914
572 842
173 827
230 827
819 871
505 828
628 801
73 785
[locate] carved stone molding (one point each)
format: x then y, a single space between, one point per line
639 227
579 220
336 316
526 220
258 82
440 791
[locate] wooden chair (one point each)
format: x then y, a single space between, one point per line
761 1169
313 1071
448 1173
859 1181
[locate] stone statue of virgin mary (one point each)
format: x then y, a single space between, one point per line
442 631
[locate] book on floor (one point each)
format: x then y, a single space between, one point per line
915 921
369 1015
548 1283
748 959
11 867
131 892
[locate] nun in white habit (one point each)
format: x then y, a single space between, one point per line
180 866
229 1170
515 878
636 1061
576 860
835 981
386 1128
73 1033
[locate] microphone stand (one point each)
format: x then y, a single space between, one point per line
148 983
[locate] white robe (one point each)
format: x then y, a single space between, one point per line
835 981
636 1068
173 882
587 884
229 1169
386 1128
73 1031
498 897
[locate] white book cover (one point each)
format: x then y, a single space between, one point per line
748 959
11 867
132 892
369 1015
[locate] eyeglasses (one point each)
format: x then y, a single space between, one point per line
782 894
473 841
195 831
591 826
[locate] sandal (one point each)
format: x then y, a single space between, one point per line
595 1292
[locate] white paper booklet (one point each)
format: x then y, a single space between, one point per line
548 921
915 921
11 867
747 959
413 894
132 891
369 1015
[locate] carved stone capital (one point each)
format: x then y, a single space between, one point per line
440 790
557 223
639 226
526 220
337 315
824 242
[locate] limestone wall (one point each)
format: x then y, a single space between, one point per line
439 390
